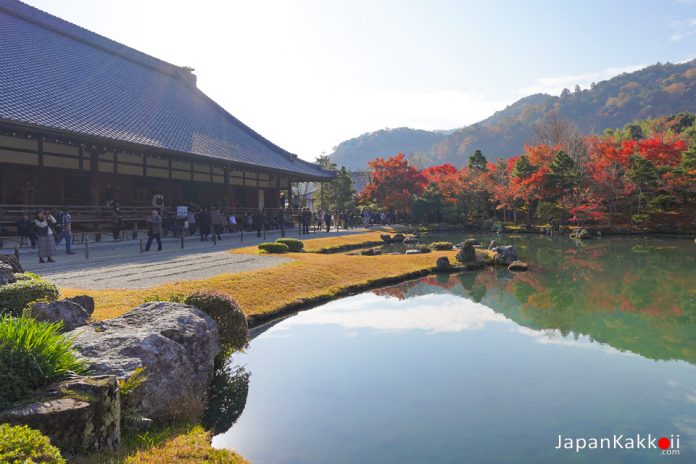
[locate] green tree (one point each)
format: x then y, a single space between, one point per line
338 193
562 172
478 161
643 174
523 168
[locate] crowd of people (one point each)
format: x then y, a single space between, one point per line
47 230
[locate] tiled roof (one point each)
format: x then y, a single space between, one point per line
59 76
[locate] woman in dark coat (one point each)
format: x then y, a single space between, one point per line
203 221
44 224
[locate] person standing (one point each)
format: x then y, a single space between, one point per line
216 221
328 220
281 219
203 220
155 230
116 222
258 222
232 222
65 230
191 220
44 224
25 228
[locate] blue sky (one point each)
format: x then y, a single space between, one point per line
309 74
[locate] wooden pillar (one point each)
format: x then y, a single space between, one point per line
94 177
226 196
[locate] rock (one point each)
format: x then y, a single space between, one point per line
519 266
579 234
13 262
70 313
386 238
493 244
505 255
370 252
442 263
84 414
6 274
138 423
86 301
412 252
398 238
467 253
176 344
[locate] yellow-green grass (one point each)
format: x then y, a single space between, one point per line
181 444
343 243
262 294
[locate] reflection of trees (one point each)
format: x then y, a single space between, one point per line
227 398
632 294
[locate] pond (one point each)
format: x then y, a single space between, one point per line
597 340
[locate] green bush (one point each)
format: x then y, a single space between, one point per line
27 446
234 329
441 246
423 249
274 247
293 244
33 354
26 276
15 297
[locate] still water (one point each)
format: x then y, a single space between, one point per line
598 339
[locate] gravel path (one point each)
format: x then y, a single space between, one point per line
121 265
148 271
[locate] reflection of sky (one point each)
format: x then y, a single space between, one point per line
431 313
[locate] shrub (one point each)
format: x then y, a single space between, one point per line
423 249
33 354
234 329
15 297
24 445
26 276
441 246
294 245
273 247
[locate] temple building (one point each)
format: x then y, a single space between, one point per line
88 121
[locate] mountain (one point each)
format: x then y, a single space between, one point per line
356 152
657 90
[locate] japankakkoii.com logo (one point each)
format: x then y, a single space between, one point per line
664 445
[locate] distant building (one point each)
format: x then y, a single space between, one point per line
85 120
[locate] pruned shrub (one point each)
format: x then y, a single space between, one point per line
273 247
26 276
234 329
441 246
15 297
423 249
20 444
33 354
294 245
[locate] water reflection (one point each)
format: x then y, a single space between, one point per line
481 367
227 398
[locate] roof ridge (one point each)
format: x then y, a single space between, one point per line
73 31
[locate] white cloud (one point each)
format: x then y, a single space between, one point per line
683 28
431 313
554 85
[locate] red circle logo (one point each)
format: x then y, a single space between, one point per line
663 443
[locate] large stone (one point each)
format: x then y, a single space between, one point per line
505 255
442 263
176 345
70 313
79 415
519 266
6 274
12 261
86 301
467 253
